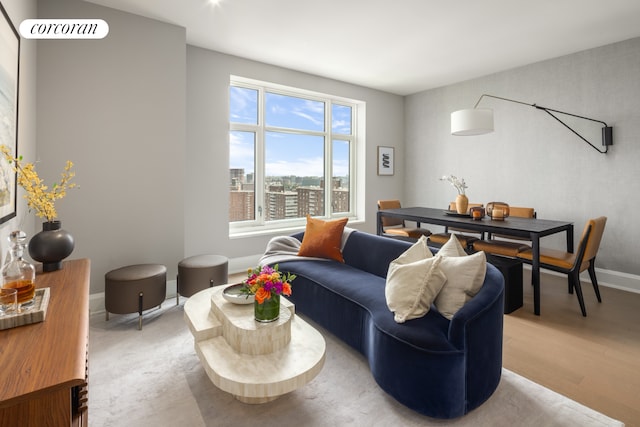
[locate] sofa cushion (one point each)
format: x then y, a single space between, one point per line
413 282
465 275
323 239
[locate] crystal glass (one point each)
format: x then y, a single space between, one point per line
17 273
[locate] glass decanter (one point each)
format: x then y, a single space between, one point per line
17 273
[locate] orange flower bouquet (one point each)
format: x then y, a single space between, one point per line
267 284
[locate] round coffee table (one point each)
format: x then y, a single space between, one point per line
255 362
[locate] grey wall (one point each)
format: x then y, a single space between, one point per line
144 118
532 160
207 182
116 107
19 10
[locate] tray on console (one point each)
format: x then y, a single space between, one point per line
35 314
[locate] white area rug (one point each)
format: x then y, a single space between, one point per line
154 378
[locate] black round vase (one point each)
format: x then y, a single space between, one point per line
51 245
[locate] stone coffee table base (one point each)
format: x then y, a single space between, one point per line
255 362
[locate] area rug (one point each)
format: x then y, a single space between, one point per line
153 377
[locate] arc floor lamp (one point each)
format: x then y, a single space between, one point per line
478 121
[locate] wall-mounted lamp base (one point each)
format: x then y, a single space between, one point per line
607 136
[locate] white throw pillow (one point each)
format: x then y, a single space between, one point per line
452 248
413 281
465 276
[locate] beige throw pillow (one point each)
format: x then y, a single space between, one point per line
452 248
465 275
413 281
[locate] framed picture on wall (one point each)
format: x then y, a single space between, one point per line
385 160
9 66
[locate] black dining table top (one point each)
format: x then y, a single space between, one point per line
515 226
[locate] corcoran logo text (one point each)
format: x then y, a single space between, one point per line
64 29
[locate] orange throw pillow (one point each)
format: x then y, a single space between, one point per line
322 239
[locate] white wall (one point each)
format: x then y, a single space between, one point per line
532 160
207 181
19 10
116 107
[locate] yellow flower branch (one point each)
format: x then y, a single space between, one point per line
39 197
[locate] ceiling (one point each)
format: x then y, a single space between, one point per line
401 46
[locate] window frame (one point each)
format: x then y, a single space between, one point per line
259 224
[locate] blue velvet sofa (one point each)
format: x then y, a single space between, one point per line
437 367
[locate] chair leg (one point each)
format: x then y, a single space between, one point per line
594 281
140 297
576 284
178 289
570 284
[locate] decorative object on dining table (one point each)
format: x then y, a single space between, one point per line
266 284
477 212
462 202
498 211
52 244
17 273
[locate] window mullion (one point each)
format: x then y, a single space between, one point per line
328 160
259 186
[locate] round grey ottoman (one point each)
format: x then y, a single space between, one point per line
200 272
135 288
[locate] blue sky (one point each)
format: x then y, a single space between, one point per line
288 153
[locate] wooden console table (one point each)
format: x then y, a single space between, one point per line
43 366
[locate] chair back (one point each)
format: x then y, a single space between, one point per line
593 239
390 204
452 205
521 212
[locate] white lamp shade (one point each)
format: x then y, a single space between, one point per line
472 122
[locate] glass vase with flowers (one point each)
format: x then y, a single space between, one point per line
266 284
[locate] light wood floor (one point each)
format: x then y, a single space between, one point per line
594 360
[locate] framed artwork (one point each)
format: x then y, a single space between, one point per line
385 160
9 66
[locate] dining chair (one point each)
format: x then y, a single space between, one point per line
497 245
573 264
462 234
396 227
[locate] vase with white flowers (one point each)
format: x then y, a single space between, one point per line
462 202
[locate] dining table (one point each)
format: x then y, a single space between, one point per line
530 228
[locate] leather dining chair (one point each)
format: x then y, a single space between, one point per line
496 245
462 234
396 227
573 264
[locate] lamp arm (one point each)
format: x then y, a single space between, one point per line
504 99
549 111
607 138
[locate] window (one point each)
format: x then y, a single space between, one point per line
283 144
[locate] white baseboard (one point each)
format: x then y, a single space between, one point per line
615 279
607 278
612 279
